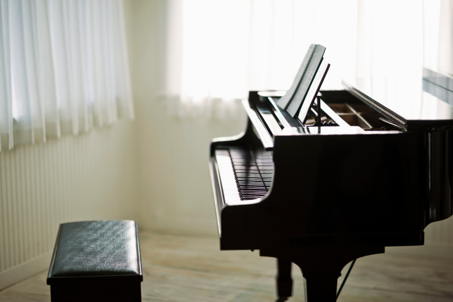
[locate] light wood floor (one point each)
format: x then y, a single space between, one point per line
182 268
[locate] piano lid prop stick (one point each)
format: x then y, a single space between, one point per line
318 100
345 278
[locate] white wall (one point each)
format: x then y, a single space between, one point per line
91 176
173 153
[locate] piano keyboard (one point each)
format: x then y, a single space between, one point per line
245 174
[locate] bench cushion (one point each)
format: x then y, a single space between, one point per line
96 251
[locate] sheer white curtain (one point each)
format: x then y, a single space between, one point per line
63 68
213 52
445 50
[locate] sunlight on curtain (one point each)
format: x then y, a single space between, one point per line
431 22
445 50
390 52
213 52
63 68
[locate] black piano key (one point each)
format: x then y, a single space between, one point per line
264 154
251 187
266 170
237 155
257 183
262 187
262 157
264 162
256 177
247 175
267 175
251 177
242 196
242 158
249 197
244 185
253 190
258 194
245 168
242 181
266 167
244 164
252 193
247 182
249 170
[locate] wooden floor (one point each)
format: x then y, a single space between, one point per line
182 268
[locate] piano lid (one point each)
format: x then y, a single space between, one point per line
416 103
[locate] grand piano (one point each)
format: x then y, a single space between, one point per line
322 177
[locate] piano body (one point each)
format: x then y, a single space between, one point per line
349 179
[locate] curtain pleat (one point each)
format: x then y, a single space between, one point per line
23 69
6 105
445 49
63 68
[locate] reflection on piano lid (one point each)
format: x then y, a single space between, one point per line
412 99
438 84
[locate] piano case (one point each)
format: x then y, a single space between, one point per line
347 178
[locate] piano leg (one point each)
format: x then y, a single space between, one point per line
321 266
284 282
321 287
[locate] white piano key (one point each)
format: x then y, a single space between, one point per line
227 178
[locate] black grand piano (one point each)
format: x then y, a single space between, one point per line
320 178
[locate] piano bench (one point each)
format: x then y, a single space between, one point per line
96 261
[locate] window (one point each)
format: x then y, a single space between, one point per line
63 68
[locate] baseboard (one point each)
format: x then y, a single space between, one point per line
432 251
24 270
179 226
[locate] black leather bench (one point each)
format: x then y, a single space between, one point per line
96 261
